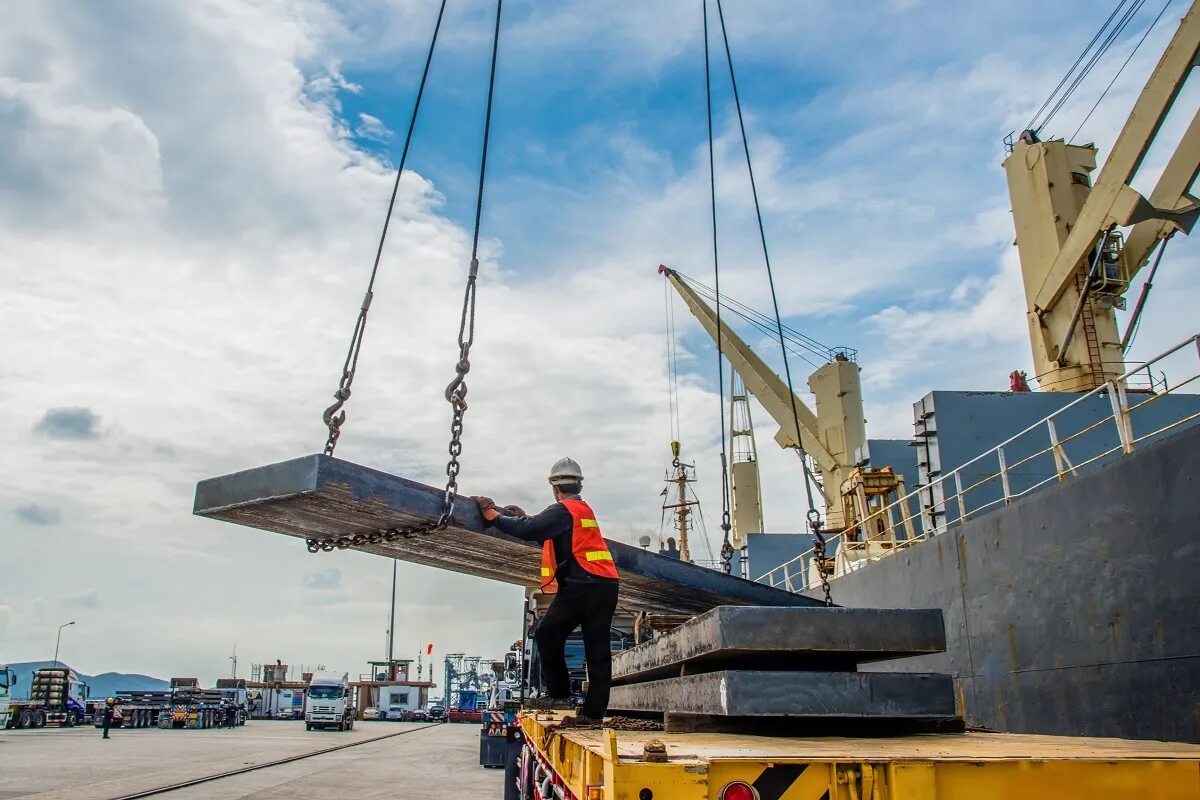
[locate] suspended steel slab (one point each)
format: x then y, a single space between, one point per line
742 637
320 497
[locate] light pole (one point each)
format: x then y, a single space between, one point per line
58 640
392 624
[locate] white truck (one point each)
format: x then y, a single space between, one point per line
8 679
328 702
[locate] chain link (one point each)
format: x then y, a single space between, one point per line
814 523
456 394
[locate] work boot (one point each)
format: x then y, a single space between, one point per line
549 704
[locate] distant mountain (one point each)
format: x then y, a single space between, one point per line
103 685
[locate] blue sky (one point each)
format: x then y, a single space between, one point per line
189 217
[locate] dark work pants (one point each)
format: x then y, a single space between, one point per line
589 606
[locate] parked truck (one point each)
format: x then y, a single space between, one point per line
328 703
8 679
57 696
184 705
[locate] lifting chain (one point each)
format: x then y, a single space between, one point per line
456 392
726 523
814 524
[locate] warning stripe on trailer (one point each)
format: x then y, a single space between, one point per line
786 782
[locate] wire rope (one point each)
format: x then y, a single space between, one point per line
726 524
334 416
814 516
1128 58
1078 61
1112 36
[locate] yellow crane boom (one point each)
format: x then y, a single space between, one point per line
1075 265
835 436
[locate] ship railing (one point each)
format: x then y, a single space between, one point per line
1061 446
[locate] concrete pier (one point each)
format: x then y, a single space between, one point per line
437 761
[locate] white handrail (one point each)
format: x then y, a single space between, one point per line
1121 415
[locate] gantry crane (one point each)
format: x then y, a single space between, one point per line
1075 264
835 436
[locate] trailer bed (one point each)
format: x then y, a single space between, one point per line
971 766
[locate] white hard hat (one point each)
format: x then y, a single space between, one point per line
565 470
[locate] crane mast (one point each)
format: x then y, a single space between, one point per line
745 486
680 476
1075 264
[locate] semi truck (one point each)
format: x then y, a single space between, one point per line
57 696
327 703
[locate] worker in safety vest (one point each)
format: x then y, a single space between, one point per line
578 568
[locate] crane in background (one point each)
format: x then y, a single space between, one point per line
745 482
1075 264
834 436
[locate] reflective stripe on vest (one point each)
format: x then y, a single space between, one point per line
587 543
549 566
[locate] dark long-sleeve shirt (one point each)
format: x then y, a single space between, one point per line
553 524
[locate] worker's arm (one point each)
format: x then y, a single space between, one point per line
554 521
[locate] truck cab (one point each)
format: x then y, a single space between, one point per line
8 679
328 703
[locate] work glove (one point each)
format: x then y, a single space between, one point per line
484 502
514 511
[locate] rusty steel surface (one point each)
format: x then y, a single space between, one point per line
746 637
749 693
321 497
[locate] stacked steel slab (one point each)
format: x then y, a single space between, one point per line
795 667
319 497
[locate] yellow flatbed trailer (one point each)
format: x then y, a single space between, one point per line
605 764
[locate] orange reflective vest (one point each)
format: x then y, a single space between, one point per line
587 547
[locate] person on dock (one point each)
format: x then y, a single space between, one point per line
578 569
110 711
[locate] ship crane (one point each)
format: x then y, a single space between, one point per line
1075 263
835 435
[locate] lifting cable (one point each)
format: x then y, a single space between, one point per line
1100 51
797 341
334 416
813 516
1078 61
726 524
1128 58
456 391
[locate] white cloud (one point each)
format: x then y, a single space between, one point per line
185 237
372 129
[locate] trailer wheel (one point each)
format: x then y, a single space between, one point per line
39 719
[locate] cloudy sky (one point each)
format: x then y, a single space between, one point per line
190 197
